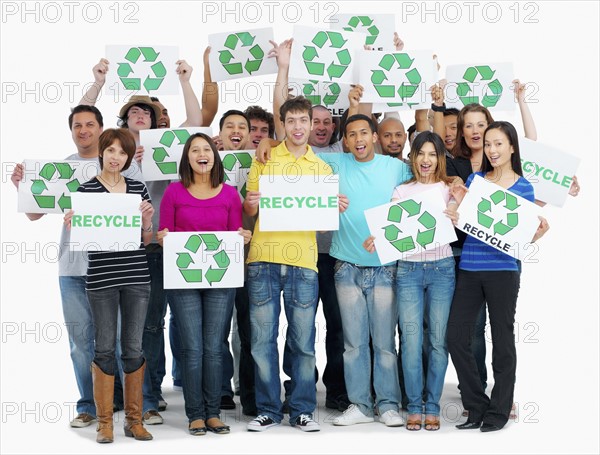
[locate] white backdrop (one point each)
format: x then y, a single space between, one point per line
47 52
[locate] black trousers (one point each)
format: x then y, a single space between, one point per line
500 290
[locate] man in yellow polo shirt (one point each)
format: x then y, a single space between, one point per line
284 261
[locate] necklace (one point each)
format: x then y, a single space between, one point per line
111 186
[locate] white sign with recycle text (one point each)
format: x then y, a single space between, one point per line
499 218
241 54
163 149
549 170
106 222
142 69
47 185
290 203
200 260
410 226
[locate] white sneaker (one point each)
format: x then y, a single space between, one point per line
391 418
82 420
152 418
306 423
352 416
261 423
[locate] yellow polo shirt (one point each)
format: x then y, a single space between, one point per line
297 248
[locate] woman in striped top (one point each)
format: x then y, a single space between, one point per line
487 275
118 282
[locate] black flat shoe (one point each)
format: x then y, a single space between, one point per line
486 427
197 431
222 429
469 425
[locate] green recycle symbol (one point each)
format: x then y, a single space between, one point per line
500 227
310 92
225 56
395 215
316 68
160 153
485 73
124 71
48 172
364 22
229 161
220 258
405 91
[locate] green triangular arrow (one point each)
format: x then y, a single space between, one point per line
426 237
48 171
64 202
214 275
405 244
222 259
64 170
150 55
391 232
132 55
211 241
411 207
192 276
159 69
38 186
193 243
184 260
152 84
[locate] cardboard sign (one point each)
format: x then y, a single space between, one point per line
549 170
378 29
106 222
487 84
410 226
47 185
241 54
197 260
142 70
162 151
498 217
332 95
307 203
237 165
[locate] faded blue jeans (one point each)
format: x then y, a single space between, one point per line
366 297
300 288
424 291
202 316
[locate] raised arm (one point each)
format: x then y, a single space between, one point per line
438 107
210 93
91 95
354 97
526 117
282 53
192 106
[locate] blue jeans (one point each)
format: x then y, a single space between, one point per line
201 316
368 307
131 302
80 327
300 288
154 339
424 291
175 343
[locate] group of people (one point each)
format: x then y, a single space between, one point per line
366 304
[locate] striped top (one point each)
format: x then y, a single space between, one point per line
116 268
479 257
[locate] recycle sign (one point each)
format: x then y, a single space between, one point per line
311 93
127 74
246 40
411 208
404 62
219 258
229 162
65 172
511 204
160 153
492 91
364 22
334 70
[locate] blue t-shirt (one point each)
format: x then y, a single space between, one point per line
367 185
478 256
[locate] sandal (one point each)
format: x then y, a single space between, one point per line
415 423
219 428
432 424
197 428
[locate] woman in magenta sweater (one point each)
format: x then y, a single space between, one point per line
200 201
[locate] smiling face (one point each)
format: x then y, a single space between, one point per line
234 133
426 162
360 139
392 137
85 130
201 156
322 127
450 126
114 157
164 121
475 125
297 126
259 130
498 149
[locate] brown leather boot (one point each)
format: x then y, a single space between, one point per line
133 405
104 388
